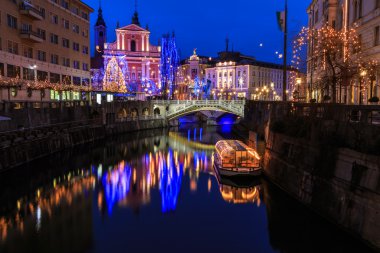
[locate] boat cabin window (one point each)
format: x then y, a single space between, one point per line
235 154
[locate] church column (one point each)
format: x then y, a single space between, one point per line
123 41
118 41
129 45
147 43
142 43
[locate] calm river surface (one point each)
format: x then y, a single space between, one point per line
153 192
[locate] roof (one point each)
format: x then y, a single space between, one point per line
133 27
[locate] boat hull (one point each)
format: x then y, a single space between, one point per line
231 172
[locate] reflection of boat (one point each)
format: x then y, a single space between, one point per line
240 190
233 158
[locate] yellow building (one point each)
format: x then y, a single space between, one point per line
44 40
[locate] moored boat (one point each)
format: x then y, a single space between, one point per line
234 158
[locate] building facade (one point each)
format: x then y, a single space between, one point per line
47 41
192 72
236 76
128 65
364 17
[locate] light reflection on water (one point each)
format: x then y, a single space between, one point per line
165 178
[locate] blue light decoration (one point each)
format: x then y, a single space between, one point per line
169 64
116 185
150 87
198 86
207 89
170 182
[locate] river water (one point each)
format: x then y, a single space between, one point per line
154 192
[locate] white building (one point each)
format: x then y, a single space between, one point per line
236 76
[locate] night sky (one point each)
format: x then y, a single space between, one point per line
204 24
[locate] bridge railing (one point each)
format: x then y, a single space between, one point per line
198 102
234 106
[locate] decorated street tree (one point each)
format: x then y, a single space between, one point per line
334 54
169 64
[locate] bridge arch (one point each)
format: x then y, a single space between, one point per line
178 109
122 113
157 111
145 111
134 113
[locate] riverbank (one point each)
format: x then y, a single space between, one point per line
22 146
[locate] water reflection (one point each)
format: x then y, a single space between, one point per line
170 171
116 185
240 191
85 206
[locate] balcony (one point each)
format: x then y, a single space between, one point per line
31 36
31 11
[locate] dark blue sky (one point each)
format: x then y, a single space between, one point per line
204 24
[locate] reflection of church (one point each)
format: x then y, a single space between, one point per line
130 64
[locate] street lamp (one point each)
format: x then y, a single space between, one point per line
362 74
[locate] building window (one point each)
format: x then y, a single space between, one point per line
75 10
85 49
65 62
360 2
28 74
54 59
55 78
76 46
2 69
12 47
42 75
54 19
41 33
85 33
133 46
85 66
65 23
42 12
76 28
76 80
65 43
41 55
66 79
76 64
64 4
12 21
85 15
316 16
13 71
28 52
377 36
54 38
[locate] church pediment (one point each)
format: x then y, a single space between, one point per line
132 27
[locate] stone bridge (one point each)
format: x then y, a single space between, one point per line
212 109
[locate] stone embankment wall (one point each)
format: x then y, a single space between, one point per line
19 147
39 129
327 157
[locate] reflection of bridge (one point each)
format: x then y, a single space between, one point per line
210 108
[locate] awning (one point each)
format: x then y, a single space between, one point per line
2 118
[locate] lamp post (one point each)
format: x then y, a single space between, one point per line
362 74
298 83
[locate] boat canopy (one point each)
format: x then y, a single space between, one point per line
236 154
